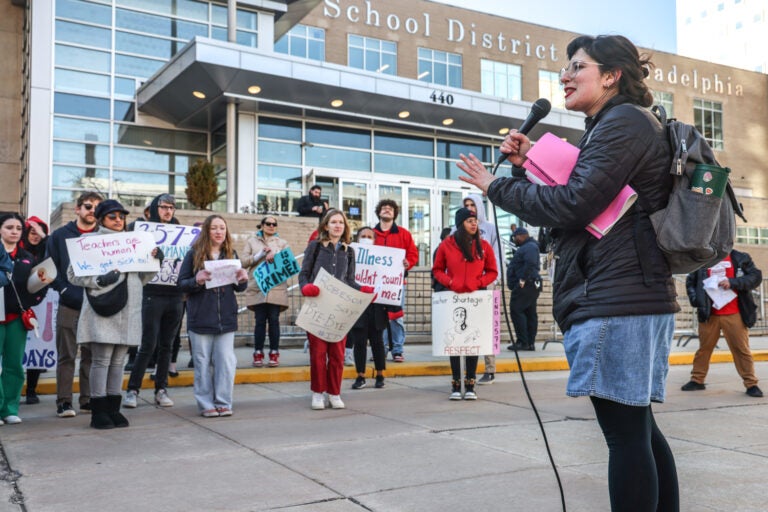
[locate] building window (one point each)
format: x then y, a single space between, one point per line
666 100
303 41
500 79
751 235
440 68
372 54
551 88
708 118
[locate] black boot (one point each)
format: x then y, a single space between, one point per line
118 419
469 389
100 418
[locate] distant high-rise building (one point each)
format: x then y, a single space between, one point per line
730 32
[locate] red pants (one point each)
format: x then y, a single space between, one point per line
326 364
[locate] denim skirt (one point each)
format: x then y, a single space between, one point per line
624 359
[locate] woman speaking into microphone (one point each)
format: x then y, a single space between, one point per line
614 298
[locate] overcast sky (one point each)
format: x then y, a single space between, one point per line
648 23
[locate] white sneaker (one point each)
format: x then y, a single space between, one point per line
162 399
470 395
2 422
349 359
12 420
318 401
456 395
336 402
131 399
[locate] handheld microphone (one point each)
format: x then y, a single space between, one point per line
539 111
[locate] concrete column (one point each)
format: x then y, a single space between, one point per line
231 119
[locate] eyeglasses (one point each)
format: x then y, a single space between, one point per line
166 207
270 224
573 68
115 216
87 206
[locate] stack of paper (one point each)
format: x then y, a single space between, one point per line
551 161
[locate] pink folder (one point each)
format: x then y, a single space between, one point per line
551 161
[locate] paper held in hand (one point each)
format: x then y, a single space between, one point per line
551 161
222 272
41 275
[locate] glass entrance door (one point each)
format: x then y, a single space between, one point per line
420 222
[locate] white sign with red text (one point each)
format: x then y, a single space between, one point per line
466 324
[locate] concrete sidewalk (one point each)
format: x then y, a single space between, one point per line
294 363
402 448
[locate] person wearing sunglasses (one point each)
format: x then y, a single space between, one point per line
261 247
161 312
70 304
110 334
613 297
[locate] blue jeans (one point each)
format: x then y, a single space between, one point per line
624 359
215 364
397 331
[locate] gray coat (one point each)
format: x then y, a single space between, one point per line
123 328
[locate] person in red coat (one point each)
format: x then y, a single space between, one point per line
465 263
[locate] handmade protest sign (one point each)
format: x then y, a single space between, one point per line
222 272
269 274
331 315
466 324
40 351
98 254
382 268
175 241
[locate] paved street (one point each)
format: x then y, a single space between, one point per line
401 448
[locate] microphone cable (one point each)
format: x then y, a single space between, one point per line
517 355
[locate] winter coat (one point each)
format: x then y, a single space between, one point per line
748 277
19 265
524 265
305 204
340 263
487 229
6 266
623 273
122 328
253 256
399 237
209 310
457 274
70 295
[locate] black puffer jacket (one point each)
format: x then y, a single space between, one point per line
598 278
748 277
209 310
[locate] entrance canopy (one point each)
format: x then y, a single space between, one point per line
193 88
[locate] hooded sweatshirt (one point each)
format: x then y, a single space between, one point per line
161 289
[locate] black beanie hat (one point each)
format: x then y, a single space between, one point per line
463 214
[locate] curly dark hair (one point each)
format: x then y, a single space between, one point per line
617 53
387 202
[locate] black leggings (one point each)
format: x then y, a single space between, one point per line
641 468
470 368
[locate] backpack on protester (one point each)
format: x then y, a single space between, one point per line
695 229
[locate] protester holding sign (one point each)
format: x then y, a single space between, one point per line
161 311
13 334
369 327
33 241
266 307
464 263
110 321
212 318
331 252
